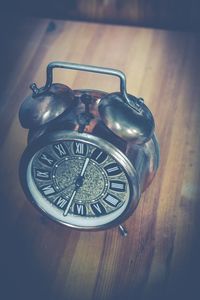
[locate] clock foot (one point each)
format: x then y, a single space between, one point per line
122 230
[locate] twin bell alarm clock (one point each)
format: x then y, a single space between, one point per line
90 153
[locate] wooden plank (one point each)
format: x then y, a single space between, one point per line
160 257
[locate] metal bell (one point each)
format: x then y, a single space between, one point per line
126 122
39 109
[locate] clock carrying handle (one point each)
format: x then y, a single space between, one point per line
86 68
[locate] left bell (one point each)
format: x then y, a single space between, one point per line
41 108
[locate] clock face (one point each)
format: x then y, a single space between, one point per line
78 182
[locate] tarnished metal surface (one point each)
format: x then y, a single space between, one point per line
129 124
37 111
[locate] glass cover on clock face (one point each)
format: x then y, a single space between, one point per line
77 183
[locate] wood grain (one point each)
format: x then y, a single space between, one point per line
160 257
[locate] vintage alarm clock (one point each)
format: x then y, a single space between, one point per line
90 154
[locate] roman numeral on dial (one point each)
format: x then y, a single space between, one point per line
79 148
41 174
48 190
111 200
79 209
118 186
47 159
60 202
99 156
60 150
113 169
98 209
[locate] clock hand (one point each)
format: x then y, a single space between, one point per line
78 184
85 166
70 202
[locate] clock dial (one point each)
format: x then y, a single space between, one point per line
79 183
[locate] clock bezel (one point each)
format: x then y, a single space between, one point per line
58 136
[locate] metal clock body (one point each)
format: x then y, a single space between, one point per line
87 167
96 177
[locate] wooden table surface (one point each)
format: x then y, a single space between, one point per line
159 259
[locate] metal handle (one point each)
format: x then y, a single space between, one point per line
80 67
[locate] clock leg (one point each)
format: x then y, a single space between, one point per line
123 231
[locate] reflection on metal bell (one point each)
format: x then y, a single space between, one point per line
38 110
126 122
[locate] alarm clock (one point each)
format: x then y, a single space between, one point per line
90 154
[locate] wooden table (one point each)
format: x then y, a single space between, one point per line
159 259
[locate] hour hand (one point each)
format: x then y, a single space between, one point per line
84 166
79 180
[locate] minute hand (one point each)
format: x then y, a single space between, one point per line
78 184
70 202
